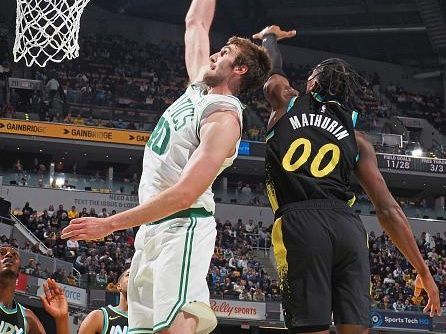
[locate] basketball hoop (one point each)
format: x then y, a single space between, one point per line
47 30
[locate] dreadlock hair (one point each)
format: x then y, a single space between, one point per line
337 80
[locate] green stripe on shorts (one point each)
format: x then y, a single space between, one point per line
184 280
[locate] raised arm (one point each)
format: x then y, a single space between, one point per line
392 218
277 89
196 39
56 305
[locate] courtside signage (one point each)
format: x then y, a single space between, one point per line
74 295
73 132
401 320
231 309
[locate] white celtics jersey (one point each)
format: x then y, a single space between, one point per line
176 137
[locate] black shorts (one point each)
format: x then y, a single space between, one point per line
321 252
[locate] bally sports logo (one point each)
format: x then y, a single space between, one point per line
238 310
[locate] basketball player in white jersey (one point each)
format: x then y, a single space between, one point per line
195 139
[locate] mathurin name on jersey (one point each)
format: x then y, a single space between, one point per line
320 121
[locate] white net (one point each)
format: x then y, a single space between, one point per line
47 30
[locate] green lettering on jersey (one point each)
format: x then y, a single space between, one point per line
180 111
160 137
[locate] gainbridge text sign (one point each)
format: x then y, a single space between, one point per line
73 132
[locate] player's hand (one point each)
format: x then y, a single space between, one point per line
87 228
280 34
427 283
54 301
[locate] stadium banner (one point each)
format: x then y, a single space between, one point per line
233 309
408 321
74 295
73 132
41 198
21 283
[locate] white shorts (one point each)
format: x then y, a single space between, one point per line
168 272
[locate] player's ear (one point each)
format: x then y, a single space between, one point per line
241 69
118 286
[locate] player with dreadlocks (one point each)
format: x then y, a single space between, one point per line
320 243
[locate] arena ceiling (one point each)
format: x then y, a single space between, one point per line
387 30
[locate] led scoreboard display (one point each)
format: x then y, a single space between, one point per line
408 163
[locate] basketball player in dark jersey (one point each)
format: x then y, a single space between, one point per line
320 244
110 319
14 318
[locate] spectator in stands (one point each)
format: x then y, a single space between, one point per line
245 295
249 228
73 246
17 167
398 305
81 263
101 278
90 121
27 210
83 213
92 213
103 213
50 211
30 267
73 213
78 120
246 190
27 247
119 124
71 280
259 295
3 240
23 181
68 119
61 211
36 103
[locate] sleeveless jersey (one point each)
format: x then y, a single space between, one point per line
13 320
311 152
115 321
176 137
